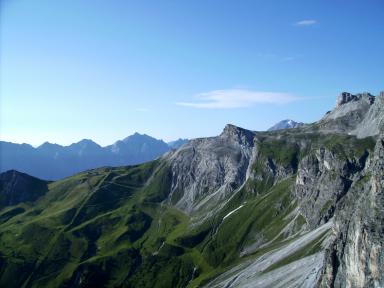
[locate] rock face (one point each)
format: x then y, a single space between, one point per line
323 178
373 122
205 171
361 115
346 97
356 256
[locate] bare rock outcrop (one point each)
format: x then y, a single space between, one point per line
206 171
322 180
356 256
355 114
346 97
373 122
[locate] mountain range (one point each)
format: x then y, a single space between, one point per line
300 207
53 161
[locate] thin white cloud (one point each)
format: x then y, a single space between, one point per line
307 22
237 98
275 57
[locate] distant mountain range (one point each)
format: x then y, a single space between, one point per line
52 161
286 124
177 143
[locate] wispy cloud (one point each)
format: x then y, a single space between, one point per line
237 98
307 22
275 57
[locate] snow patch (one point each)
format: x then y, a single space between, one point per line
233 211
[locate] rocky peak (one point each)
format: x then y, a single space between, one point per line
49 146
137 136
85 143
207 170
237 134
346 97
355 114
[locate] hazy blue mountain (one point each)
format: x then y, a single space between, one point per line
53 161
84 147
49 148
285 124
138 148
177 143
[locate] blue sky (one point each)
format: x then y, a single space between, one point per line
105 69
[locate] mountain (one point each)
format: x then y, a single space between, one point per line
294 208
85 147
177 143
53 161
360 115
138 148
285 124
18 187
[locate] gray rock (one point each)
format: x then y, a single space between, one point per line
346 97
206 171
356 256
361 114
373 122
323 178
302 273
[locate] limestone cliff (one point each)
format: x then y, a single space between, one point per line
355 257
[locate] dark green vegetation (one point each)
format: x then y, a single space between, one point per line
114 227
19 187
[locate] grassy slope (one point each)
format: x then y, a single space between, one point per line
110 226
